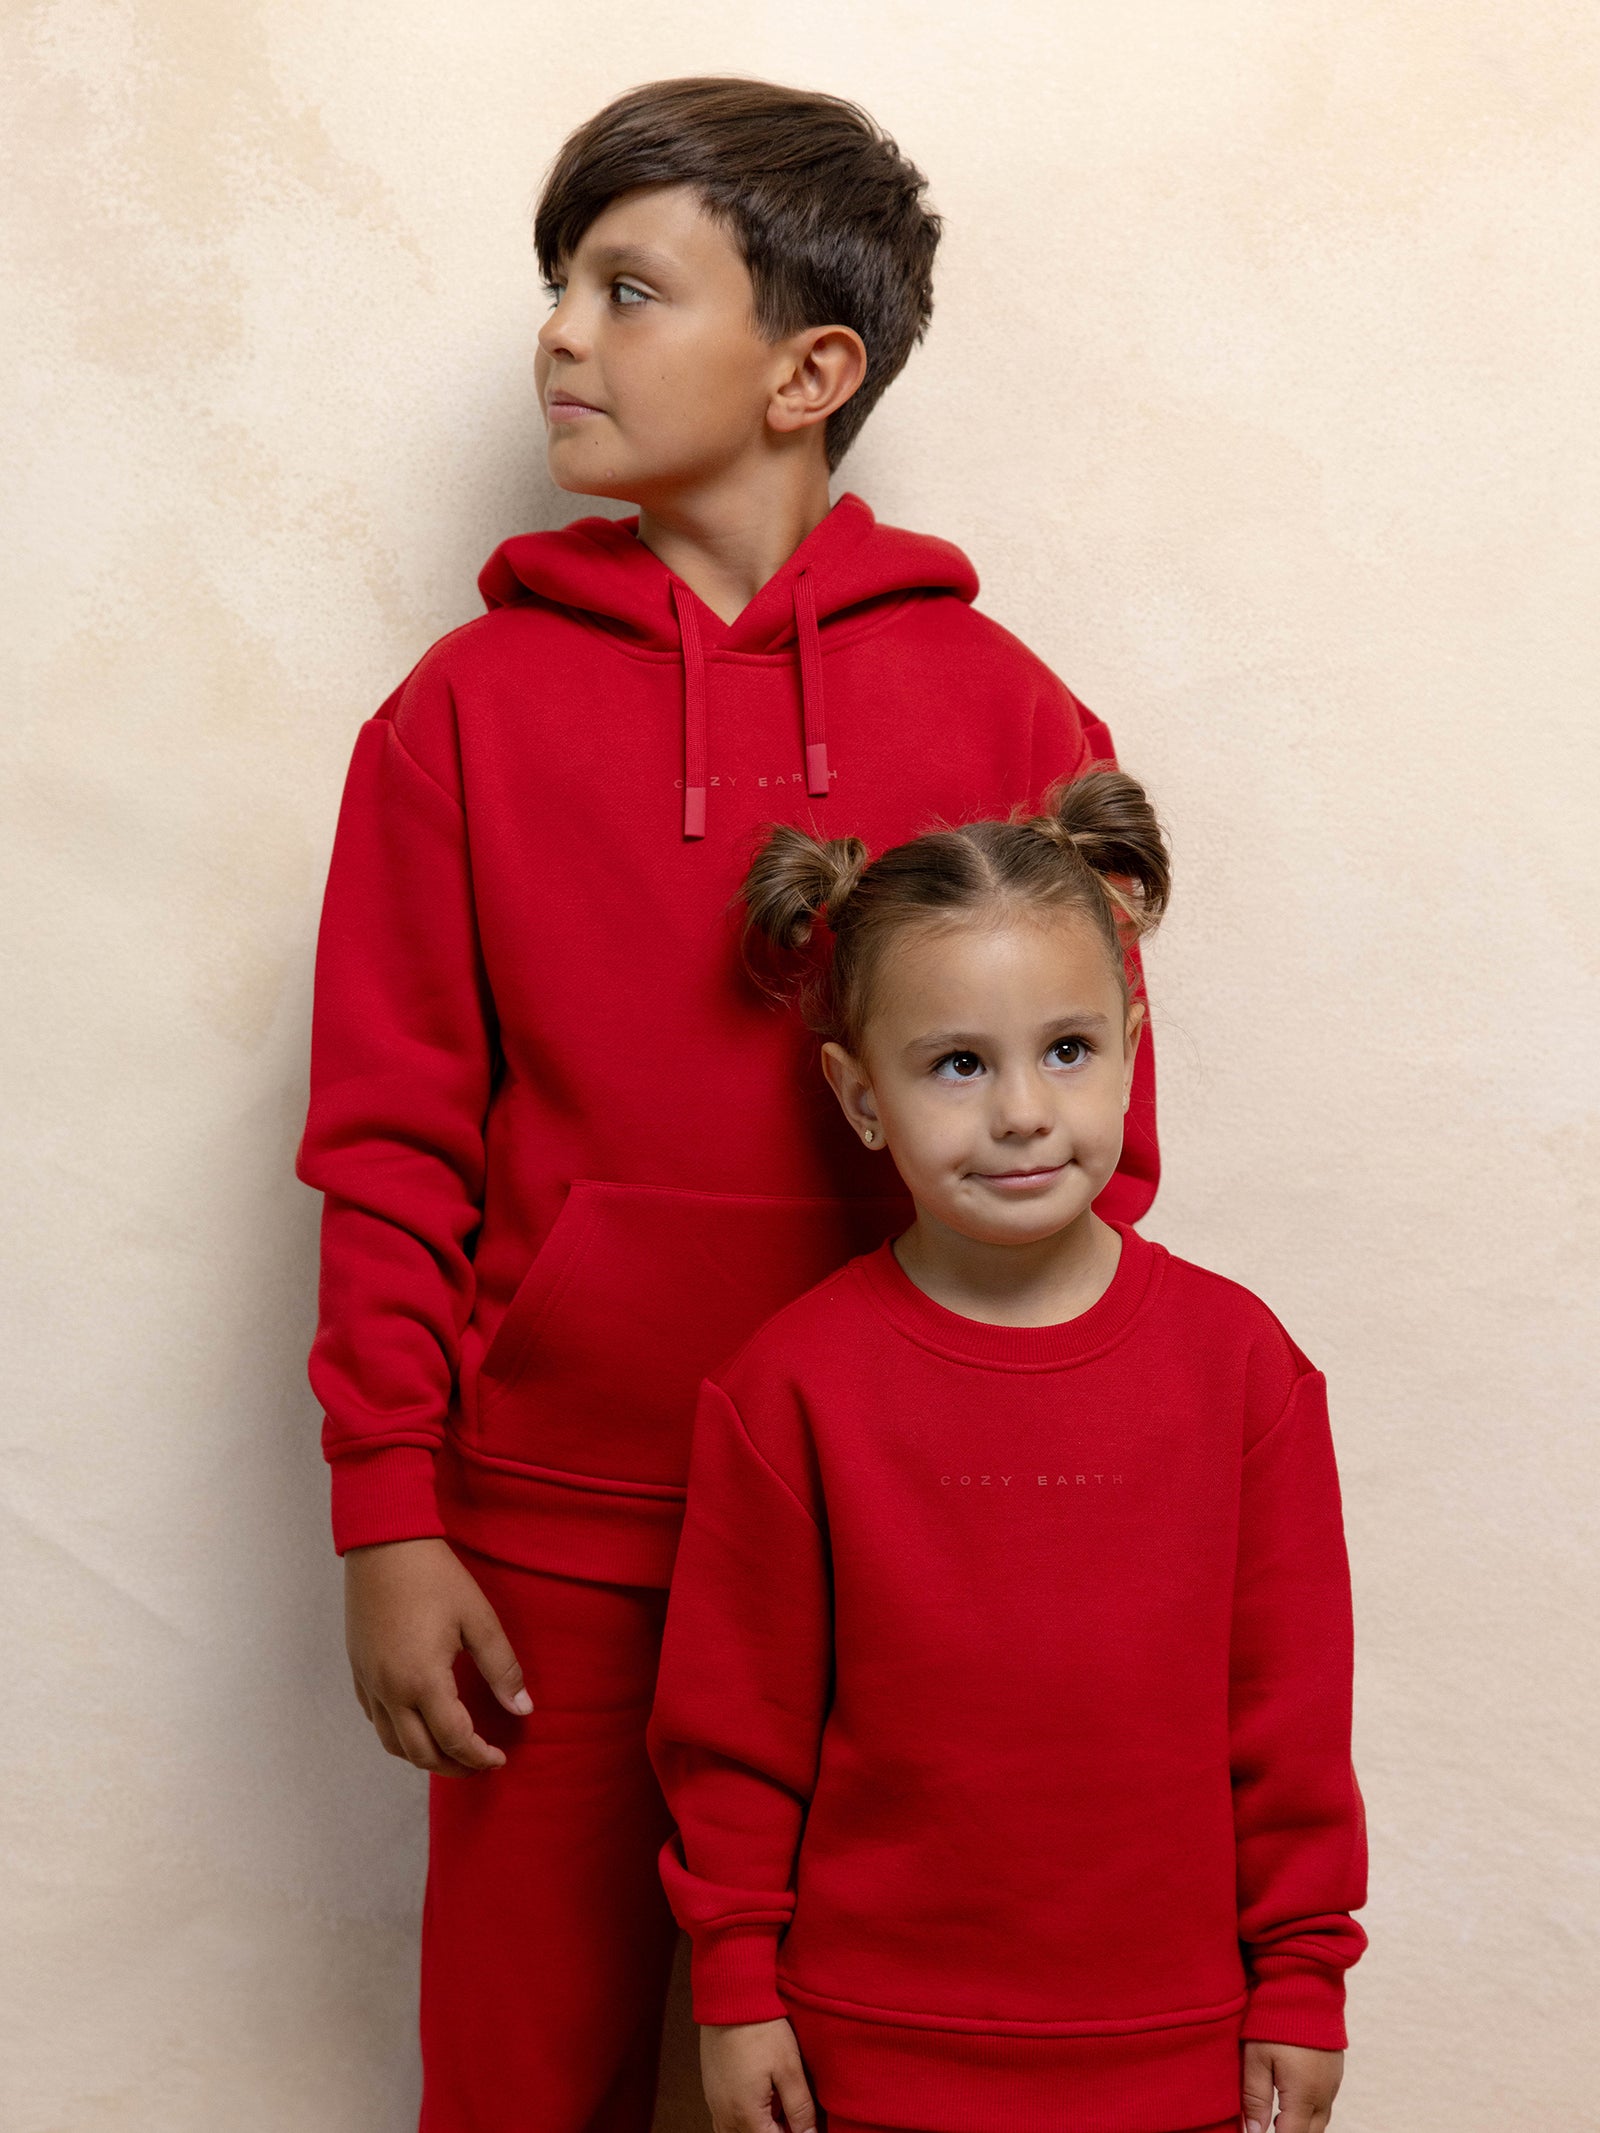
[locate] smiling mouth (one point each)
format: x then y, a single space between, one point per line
1018 1178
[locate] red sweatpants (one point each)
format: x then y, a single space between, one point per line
547 1943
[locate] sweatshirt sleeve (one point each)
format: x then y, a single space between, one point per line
1067 741
401 1062
1298 1820
746 1674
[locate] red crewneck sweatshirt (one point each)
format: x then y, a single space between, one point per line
1004 1708
571 1156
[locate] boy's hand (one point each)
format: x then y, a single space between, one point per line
743 2066
1307 2082
409 1608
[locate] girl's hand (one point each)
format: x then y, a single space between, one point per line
743 2066
410 1607
1307 2082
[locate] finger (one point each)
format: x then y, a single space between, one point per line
1256 2089
798 2107
1295 2112
496 1661
383 1726
755 2117
1305 2103
751 2111
418 1745
449 1725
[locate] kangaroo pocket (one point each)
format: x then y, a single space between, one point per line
637 1292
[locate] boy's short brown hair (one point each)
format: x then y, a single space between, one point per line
829 214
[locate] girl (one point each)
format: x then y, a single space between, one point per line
1004 1707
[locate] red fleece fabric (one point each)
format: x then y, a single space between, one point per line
833 2123
571 1155
547 1944
1004 1705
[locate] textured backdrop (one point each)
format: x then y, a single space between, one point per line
1260 380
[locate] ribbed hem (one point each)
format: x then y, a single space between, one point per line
576 1525
838 2124
733 1975
1299 2004
1030 1348
948 2081
385 1495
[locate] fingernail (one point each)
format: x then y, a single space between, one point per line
522 1703
1252 2125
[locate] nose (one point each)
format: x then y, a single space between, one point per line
1020 1107
559 335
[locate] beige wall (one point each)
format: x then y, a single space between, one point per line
1259 392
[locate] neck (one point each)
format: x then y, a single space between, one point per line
1039 1284
726 539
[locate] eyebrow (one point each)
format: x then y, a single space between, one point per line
639 256
963 1040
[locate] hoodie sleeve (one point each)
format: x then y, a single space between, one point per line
1299 1827
745 1678
401 1063
1067 741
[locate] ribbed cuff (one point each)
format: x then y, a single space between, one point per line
733 1975
1297 2003
385 1495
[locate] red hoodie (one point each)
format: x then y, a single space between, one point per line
1004 1707
572 1157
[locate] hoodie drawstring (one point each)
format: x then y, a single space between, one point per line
694 715
814 731
813 723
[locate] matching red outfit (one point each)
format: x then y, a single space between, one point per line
573 1157
1004 1706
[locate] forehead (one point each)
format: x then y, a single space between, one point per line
998 969
668 223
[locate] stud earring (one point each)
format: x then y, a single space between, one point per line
868 1135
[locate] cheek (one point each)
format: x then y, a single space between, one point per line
928 1131
729 378
659 396
1097 1114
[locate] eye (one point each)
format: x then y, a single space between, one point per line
958 1066
1068 1052
553 292
627 297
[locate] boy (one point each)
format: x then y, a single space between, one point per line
571 1158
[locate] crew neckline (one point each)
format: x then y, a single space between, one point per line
974 1340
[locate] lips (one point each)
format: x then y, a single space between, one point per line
1019 1177
565 407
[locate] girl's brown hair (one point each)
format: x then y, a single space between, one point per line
1097 848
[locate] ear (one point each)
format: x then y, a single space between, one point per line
827 364
1132 1030
847 1078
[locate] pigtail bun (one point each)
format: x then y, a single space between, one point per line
794 880
1105 818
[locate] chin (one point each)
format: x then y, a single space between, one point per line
1033 1227
568 470
1027 1224
608 491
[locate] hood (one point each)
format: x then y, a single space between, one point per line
598 568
